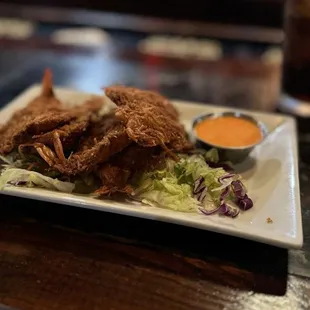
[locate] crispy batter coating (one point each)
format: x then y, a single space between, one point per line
45 120
115 181
135 137
42 114
116 173
67 133
122 95
99 149
65 137
98 130
150 119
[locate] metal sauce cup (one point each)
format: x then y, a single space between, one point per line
227 153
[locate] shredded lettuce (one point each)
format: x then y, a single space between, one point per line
172 187
194 183
212 156
194 166
166 192
17 176
191 185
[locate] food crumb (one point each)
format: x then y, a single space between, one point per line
269 220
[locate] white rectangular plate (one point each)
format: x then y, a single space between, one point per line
271 177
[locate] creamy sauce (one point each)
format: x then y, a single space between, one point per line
228 131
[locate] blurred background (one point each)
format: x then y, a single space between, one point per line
226 52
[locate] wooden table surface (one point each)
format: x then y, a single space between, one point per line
60 257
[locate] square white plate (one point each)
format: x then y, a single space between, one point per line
271 178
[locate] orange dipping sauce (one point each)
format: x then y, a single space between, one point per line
228 131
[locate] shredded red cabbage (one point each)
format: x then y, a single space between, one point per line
200 189
199 185
209 212
238 189
224 193
223 209
228 210
226 176
245 204
203 195
242 199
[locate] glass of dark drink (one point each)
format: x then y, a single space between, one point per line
296 63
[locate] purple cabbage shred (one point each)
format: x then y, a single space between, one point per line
198 185
226 176
200 189
242 200
228 210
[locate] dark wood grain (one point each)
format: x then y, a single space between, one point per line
45 263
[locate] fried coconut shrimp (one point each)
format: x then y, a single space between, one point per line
149 118
134 136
